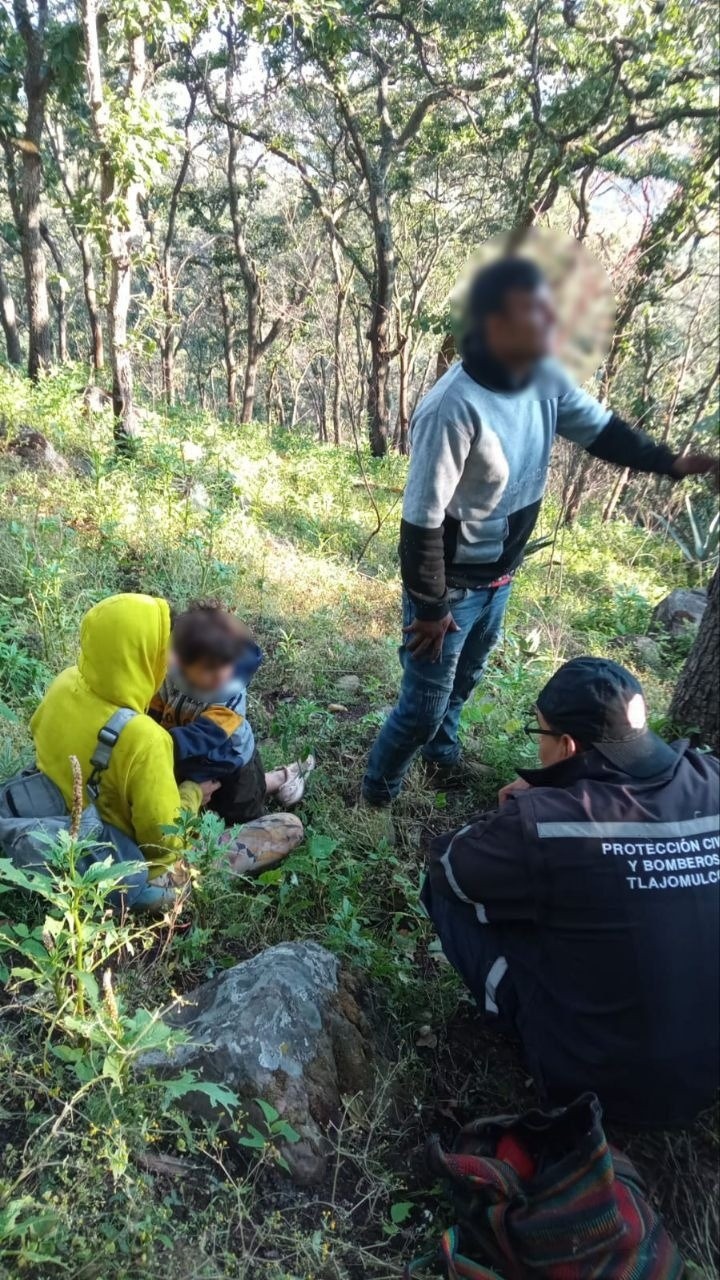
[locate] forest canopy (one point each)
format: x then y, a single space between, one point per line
264 207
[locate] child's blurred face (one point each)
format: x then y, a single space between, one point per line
204 676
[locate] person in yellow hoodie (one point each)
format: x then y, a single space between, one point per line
124 644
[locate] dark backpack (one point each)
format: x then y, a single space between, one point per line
33 813
575 1209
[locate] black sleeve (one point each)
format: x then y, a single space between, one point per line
422 565
485 864
627 447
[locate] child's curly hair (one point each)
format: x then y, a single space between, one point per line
206 631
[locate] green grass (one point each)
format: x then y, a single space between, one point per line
275 524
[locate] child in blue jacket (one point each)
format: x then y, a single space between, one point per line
203 705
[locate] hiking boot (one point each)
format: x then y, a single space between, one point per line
257 846
459 773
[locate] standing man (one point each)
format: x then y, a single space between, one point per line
481 443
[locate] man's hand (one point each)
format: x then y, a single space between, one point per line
695 464
511 787
425 639
208 789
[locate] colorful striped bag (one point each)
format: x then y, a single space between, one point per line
560 1205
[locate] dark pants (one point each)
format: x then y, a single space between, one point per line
433 694
241 798
478 952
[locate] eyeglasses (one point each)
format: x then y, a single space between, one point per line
532 729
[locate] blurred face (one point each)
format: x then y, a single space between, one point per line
553 749
203 675
525 329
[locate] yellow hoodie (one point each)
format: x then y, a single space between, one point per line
123 658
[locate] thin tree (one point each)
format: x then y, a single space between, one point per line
695 707
119 193
8 319
75 192
25 187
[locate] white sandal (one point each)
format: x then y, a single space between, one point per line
292 789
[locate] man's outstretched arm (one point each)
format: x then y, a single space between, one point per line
607 436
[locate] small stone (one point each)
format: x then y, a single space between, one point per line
96 400
349 683
426 1038
648 651
337 708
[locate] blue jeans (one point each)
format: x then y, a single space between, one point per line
432 694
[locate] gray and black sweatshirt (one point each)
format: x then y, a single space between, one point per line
480 453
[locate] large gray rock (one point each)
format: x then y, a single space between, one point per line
684 607
284 1026
35 451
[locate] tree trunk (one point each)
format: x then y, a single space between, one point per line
322 408
59 301
168 346
378 408
340 297
36 83
403 400
445 356
342 288
167 341
90 291
616 494
574 489
61 308
119 201
229 350
378 404
251 282
249 383
39 338
126 424
695 706
8 320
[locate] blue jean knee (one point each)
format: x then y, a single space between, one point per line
428 706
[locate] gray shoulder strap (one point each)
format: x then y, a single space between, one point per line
106 740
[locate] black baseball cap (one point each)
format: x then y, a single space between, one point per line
602 705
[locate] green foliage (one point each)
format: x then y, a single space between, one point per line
702 546
274 523
63 955
623 611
